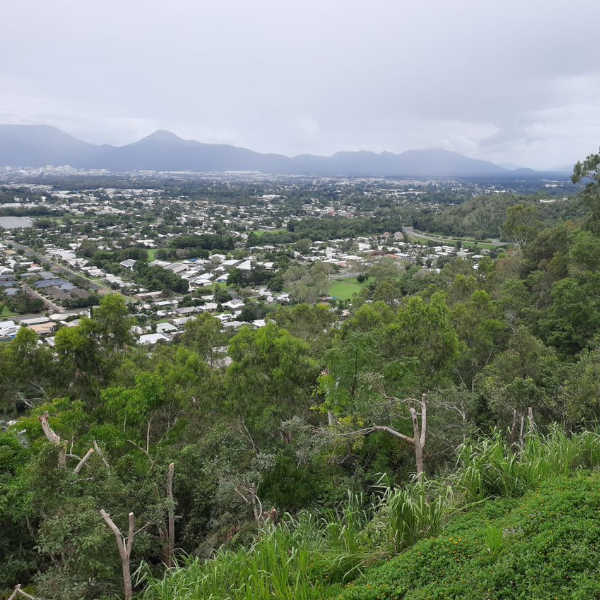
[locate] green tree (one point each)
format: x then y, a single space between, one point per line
113 323
27 373
421 344
202 334
573 317
588 170
310 322
527 374
393 367
482 332
270 378
579 398
308 283
522 224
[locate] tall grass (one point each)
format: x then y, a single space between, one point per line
416 512
278 565
491 467
313 556
300 558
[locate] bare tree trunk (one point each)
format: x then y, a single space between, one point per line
517 430
124 545
148 436
419 435
419 460
167 533
331 420
530 419
171 511
257 509
55 440
127 587
513 428
249 494
15 592
530 427
522 433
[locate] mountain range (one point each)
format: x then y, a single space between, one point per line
42 145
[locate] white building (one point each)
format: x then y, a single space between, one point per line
149 339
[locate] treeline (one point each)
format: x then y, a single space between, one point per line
151 277
205 241
157 278
196 246
256 276
91 299
21 303
173 254
484 216
327 228
33 211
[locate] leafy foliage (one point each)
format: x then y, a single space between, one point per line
287 483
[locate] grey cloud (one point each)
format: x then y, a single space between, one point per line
511 81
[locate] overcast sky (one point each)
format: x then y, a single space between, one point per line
509 81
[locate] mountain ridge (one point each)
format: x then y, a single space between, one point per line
162 150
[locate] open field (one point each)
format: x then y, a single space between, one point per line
5 311
152 254
260 232
344 289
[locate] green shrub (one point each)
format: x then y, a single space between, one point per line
415 513
491 467
544 546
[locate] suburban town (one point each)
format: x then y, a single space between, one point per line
299 300
237 253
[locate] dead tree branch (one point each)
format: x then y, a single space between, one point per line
249 494
19 592
124 545
55 440
167 533
61 444
83 460
517 429
101 455
143 450
418 440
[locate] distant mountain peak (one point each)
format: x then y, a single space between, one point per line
162 150
163 135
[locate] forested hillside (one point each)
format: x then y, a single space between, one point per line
421 445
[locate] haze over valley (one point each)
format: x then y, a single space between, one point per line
36 146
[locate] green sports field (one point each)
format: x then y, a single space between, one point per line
344 289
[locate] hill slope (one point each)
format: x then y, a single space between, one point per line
544 545
35 146
39 145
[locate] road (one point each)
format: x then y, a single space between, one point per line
446 240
